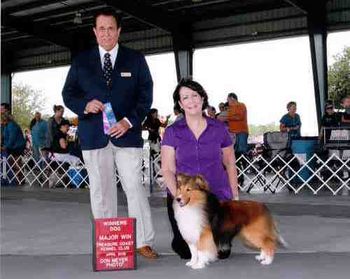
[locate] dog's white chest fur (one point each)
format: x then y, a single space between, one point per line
190 220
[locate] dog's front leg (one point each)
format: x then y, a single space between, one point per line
194 255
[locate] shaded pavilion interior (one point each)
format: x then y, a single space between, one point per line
37 34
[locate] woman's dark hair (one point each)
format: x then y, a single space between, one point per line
57 107
195 86
109 12
64 122
149 117
152 110
291 104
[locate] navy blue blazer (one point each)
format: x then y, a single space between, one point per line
131 95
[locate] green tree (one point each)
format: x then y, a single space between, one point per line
339 76
258 130
26 101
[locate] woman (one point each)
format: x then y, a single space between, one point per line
290 122
60 146
14 145
195 145
53 124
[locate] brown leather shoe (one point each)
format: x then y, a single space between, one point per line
147 252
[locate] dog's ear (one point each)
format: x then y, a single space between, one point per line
180 179
201 183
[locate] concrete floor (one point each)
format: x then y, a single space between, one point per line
47 234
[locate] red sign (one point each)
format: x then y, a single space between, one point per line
114 244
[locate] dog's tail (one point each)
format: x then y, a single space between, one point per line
281 241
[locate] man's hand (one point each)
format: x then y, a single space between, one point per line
94 106
119 129
222 118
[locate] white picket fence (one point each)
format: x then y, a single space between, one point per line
257 174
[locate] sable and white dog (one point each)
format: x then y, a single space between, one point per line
208 226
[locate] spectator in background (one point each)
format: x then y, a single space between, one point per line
5 108
178 114
39 129
330 119
60 146
237 123
53 123
290 122
14 144
345 122
222 107
152 125
28 138
345 117
211 111
222 115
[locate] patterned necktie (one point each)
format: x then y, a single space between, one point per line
107 69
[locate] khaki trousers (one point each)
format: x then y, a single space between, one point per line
101 167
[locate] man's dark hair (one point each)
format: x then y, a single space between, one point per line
108 12
57 108
6 106
195 86
233 96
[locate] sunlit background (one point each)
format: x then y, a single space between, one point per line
265 76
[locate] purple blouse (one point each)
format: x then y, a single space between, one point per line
202 156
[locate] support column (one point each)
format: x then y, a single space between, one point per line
183 50
184 63
6 79
317 28
6 92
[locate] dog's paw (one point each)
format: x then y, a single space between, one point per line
190 263
259 257
198 265
267 260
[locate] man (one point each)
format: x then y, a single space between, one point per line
237 123
115 74
345 117
4 109
38 128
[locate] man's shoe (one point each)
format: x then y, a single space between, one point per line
147 252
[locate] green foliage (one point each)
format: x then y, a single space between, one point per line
258 130
26 101
339 76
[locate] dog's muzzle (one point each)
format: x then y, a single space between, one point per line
180 201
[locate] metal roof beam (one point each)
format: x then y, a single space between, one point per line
28 5
150 15
47 33
299 4
56 13
158 18
308 6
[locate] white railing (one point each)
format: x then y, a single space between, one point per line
257 174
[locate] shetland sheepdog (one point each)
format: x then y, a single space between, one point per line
208 226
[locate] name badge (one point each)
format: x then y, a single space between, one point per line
125 74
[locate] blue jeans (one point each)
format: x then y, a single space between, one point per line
241 144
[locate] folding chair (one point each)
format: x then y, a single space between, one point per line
277 154
336 143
